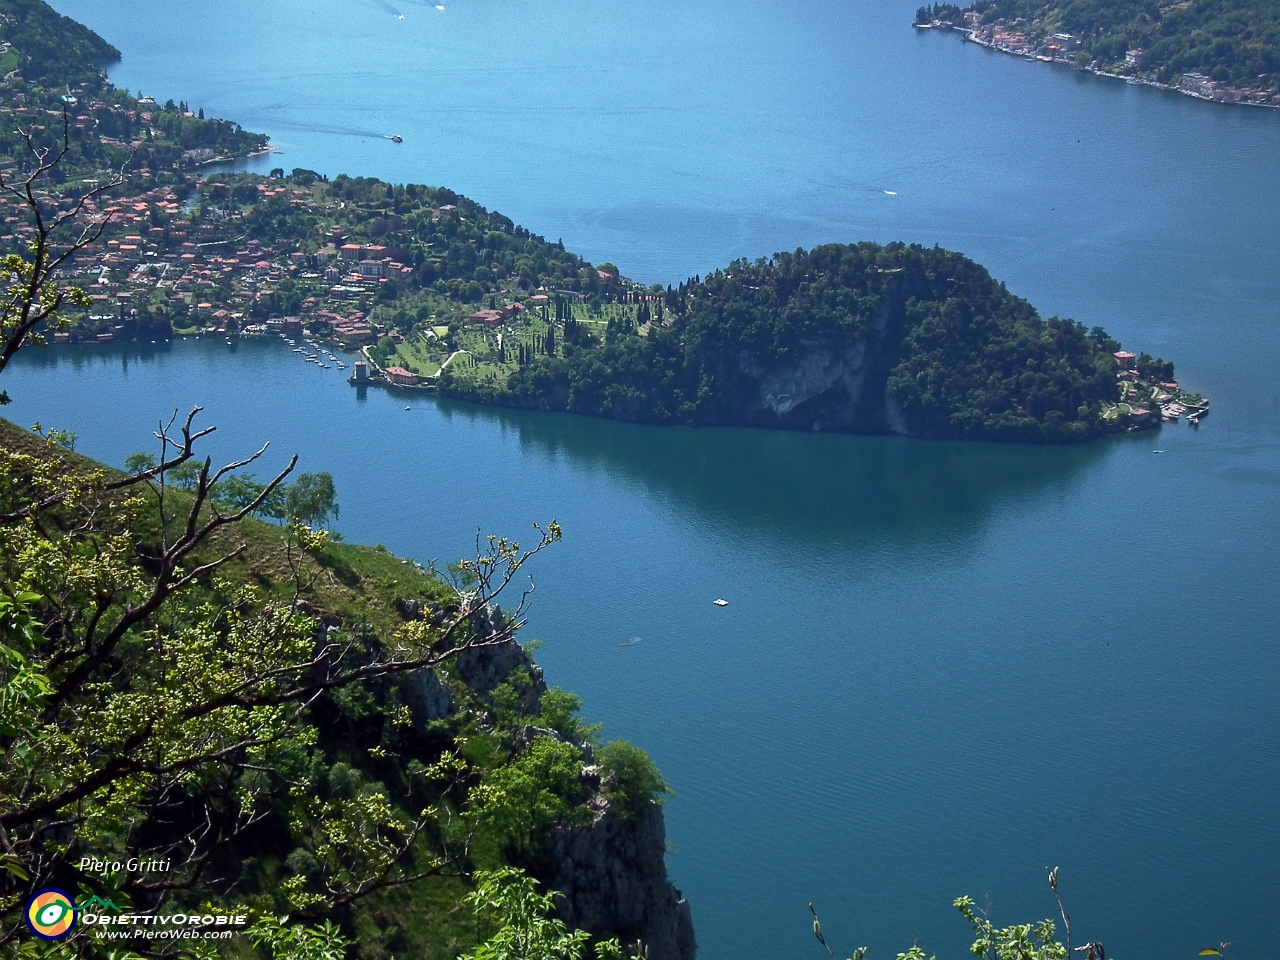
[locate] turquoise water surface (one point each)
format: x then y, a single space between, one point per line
944 667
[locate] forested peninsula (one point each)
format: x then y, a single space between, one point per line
1222 50
443 294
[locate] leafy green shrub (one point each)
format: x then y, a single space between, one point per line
508 697
344 781
632 781
509 900
302 862
531 793
560 713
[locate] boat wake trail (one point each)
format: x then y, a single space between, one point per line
329 129
386 7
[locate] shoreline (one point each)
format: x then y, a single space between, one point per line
969 35
269 149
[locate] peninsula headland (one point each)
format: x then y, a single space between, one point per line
443 294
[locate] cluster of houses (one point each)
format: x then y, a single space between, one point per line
155 264
24 113
366 261
497 317
1142 398
1199 85
1014 37
154 257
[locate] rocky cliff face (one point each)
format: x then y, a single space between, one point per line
833 383
614 879
481 668
611 870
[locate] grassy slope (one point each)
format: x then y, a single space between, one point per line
353 583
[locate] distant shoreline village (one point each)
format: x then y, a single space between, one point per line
1012 37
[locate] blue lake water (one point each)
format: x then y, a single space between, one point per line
944 667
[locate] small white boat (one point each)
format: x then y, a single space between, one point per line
406 408
720 603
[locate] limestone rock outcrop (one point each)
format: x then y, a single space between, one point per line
614 877
482 668
611 869
831 383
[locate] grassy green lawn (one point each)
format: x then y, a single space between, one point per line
419 354
491 353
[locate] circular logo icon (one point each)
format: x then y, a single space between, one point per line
51 914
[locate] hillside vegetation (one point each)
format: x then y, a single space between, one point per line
922 341
301 727
48 48
51 64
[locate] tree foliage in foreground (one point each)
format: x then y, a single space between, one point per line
1024 941
509 900
154 709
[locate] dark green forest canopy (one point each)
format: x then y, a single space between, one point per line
1230 41
48 48
951 348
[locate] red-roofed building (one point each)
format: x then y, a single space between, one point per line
489 318
401 376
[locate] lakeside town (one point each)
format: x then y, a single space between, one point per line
157 273
179 259
1024 38
174 263
1147 397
